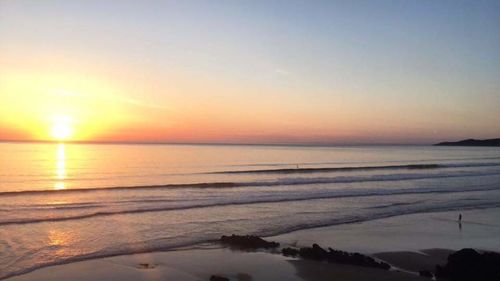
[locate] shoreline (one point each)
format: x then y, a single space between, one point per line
334 236
202 264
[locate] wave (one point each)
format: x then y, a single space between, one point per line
256 200
328 169
278 182
309 170
355 168
395 205
284 164
103 254
173 186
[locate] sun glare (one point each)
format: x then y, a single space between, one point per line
62 128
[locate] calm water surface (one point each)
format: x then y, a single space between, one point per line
67 202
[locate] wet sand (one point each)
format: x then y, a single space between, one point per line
188 265
416 261
191 265
479 229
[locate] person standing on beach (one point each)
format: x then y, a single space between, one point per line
460 221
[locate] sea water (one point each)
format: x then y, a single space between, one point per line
67 202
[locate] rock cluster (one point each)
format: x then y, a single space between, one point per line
425 273
469 265
247 242
218 278
335 256
463 265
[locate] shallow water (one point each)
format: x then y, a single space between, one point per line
65 202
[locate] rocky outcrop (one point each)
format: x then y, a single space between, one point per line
469 265
335 256
471 142
218 278
247 242
290 252
425 273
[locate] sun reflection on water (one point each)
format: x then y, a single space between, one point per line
57 238
60 167
61 242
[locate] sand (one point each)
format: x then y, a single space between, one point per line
192 264
415 261
480 229
200 264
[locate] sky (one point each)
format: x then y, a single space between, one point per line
323 72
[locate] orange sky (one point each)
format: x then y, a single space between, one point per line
205 73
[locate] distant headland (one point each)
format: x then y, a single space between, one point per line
472 142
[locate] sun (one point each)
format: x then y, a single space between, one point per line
62 128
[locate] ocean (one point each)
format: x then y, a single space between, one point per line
68 202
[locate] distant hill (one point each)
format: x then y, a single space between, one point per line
472 142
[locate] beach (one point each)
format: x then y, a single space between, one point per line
409 243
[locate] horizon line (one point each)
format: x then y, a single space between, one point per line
213 143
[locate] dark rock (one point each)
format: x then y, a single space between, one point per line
355 259
314 253
247 242
218 278
146 266
469 265
425 273
290 252
335 256
441 273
